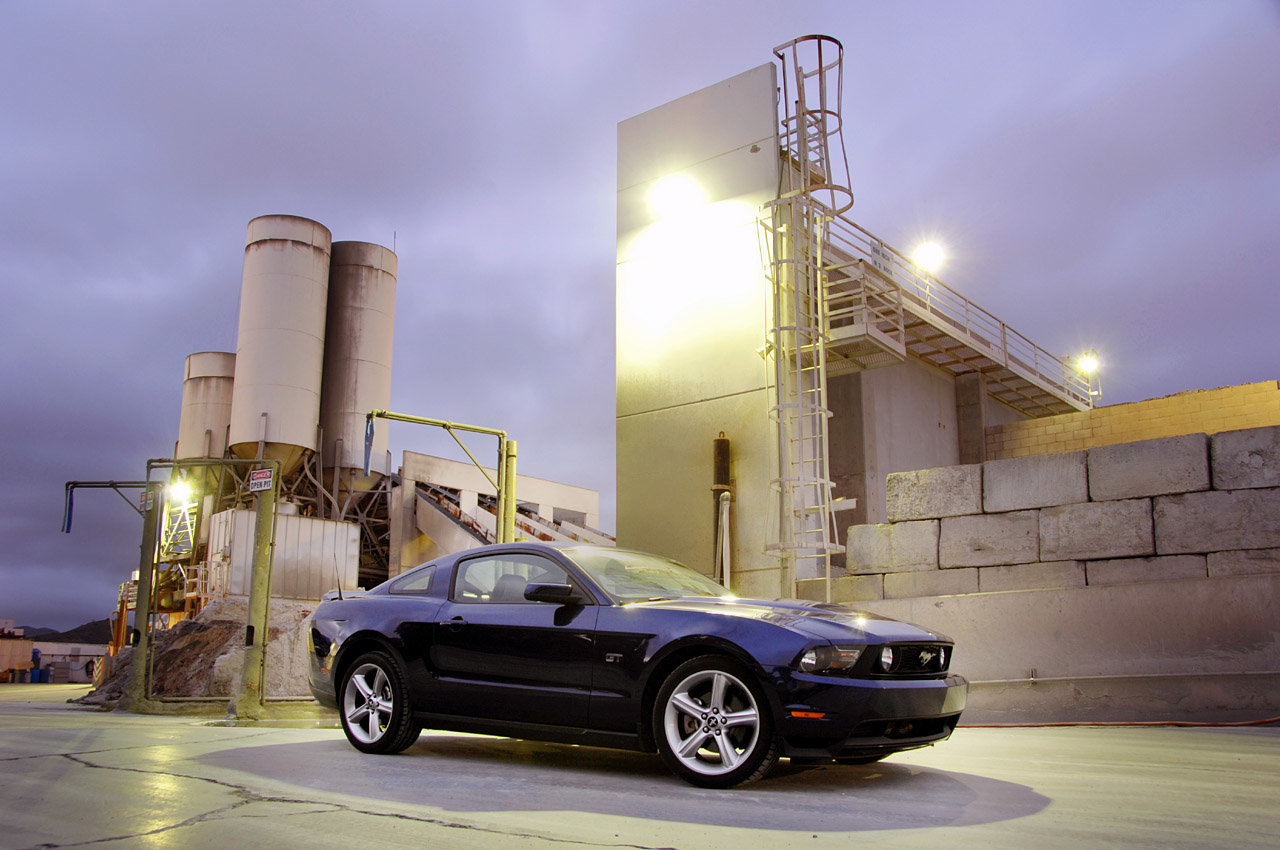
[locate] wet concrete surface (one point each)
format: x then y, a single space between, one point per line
71 777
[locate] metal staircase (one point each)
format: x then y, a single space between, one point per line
844 301
882 308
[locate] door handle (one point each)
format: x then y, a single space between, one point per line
455 624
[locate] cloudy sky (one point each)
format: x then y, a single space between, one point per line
1105 174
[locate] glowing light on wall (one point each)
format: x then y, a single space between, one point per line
676 196
690 266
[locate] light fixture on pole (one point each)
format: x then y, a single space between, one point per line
929 256
1088 365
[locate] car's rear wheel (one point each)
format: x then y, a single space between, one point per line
376 715
713 724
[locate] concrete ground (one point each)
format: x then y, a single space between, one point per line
72 777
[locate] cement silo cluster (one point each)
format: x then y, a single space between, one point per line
313 356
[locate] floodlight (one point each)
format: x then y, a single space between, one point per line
929 256
675 195
180 492
1088 362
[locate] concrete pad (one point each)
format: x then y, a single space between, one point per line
1014 484
1096 530
934 493
1217 521
1149 468
1248 458
989 540
90 778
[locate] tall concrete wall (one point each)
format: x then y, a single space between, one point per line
1198 411
691 316
1130 581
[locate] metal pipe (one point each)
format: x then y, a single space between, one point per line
506 468
509 493
500 503
723 557
720 457
68 502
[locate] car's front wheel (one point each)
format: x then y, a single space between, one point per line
376 715
713 725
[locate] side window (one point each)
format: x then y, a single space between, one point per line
503 578
419 581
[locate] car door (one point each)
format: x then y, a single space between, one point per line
499 656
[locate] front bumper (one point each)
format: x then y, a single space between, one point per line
828 717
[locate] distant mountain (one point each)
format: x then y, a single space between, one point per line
98 631
36 631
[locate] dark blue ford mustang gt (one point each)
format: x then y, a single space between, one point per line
606 647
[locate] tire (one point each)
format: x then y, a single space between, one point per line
375 710
713 724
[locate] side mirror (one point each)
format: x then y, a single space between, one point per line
562 594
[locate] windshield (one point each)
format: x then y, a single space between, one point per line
635 576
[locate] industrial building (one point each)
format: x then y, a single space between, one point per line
804 411
312 360
294 402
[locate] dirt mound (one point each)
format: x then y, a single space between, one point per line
186 657
204 656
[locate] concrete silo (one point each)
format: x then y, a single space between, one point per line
280 342
206 404
357 362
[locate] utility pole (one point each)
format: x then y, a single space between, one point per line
249 702
135 693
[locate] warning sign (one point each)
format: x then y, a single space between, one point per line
260 479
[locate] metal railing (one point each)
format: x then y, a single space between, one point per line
949 311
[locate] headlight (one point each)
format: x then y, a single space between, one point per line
887 658
826 659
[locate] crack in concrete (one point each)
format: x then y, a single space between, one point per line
72 754
248 796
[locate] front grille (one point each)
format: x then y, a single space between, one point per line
910 660
930 658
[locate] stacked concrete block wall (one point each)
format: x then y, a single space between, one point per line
1198 411
1195 505
1126 582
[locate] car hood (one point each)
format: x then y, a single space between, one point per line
820 620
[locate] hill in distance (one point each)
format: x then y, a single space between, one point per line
97 631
